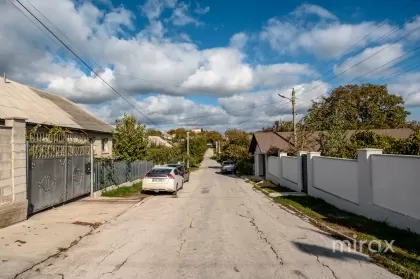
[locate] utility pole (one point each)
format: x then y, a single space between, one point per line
188 150
293 100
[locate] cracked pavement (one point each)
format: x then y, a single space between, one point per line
217 227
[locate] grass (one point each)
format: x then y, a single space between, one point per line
405 261
132 190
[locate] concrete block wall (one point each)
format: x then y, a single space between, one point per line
365 203
380 187
13 194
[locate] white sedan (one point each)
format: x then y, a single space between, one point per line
163 179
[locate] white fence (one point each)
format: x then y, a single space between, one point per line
289 170
396 183
336 176
381 187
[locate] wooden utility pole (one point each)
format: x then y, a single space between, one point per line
293 100
188 150
294 115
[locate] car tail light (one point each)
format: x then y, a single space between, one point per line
170 176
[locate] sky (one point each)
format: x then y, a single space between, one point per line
210 64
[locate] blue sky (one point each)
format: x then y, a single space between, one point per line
215 64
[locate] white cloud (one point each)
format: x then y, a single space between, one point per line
308 9
407 86
152 9
238 40
221 69
369 60
275 75
201 10
322 40
181 17
270 104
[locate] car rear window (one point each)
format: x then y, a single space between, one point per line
160 170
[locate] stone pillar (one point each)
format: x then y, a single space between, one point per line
310 162
365 175
299 169
17 210
281 154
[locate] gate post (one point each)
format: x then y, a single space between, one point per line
300 170
91 168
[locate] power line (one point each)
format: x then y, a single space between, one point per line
84 63
202 115
367 35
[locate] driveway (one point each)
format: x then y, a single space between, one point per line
217 227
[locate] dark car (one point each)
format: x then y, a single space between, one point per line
228 166
183 171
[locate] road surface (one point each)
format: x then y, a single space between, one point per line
217 227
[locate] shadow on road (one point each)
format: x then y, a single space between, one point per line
213 167
329 252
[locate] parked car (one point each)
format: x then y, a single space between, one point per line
184 172
228 166
163 179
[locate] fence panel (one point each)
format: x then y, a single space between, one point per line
117 172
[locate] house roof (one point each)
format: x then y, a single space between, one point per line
281 140
18 100
265 140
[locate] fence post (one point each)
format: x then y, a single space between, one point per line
91 169
364 170
311 176
281 154
299 169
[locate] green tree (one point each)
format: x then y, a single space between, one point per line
213 136
279 126
238 137
364 106
129 139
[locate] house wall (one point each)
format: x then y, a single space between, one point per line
13 197
336 176
380 187
97 145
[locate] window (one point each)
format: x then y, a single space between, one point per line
104 145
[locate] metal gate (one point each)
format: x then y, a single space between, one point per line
304 173
56 173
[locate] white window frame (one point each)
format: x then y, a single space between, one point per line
104 145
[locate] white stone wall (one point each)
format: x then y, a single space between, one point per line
337 176
396 183
5 165
13 194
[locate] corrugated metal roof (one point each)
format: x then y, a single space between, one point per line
18 100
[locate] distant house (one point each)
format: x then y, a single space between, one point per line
158 141
196 130
262 142
40 107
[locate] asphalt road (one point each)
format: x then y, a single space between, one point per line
217 227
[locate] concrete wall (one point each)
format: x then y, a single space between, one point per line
13 197
5 165
289 168
380 187
336 176
396 183
276 168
